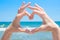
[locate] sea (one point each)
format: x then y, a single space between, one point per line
43 35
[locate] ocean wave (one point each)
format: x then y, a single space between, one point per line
2 29
27 27
2 26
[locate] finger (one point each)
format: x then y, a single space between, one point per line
36 5
27 13
23 7
43 28
20 9
27 31
39 13
34 30
33 8
32 15
36 11
23 4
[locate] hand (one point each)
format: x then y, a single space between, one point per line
37 10
41 28
34 31
48 23
15 26
27 31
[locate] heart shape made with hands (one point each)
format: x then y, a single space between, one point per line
36 10
31 16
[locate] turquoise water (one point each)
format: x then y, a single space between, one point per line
25 36
22 24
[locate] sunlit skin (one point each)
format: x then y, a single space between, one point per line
15 26
48 23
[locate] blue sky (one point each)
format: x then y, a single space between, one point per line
9 8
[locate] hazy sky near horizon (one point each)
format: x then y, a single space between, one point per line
9 8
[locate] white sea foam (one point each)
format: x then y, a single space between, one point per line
2 29
29 28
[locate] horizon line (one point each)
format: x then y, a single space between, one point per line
27 21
